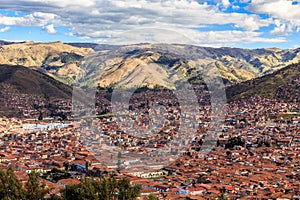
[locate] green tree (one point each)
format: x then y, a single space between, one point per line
126 190
107 188
10 186
222 196
66 165
55 197
151 197
72 192
34 189
235 141
102 189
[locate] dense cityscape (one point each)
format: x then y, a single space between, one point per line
150 100
256 154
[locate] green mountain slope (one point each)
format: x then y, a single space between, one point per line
282 84
29 81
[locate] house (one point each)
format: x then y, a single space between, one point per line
154 174
196 190
68 181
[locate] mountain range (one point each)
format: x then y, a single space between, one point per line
244 71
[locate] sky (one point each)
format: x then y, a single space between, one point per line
215 23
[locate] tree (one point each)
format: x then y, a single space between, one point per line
107 188
10 186
126 191
222 194
66 165
72 192
151 197
55 197
40 118
102 189
235 141
34 189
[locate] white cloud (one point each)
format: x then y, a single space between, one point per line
250 23
33 19
223 4
102 20
226 3
281 28
50 29
211 38
2 30
282 10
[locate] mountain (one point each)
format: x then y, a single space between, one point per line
24 80
283 84
55 59
144 64
4 42
152 64
94 46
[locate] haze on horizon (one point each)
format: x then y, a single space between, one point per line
231 23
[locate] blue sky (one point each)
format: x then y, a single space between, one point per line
233 23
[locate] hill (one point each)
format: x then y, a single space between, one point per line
29 81
4 42
283 84
55 59
26 92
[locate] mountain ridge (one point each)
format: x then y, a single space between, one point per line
233 64
66 62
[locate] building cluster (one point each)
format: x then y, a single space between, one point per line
290 91
24 105
255 151
42 147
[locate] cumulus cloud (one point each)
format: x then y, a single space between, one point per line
286 13
282 9
224 4
2 30
33 19
281 28
106 20
50 29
